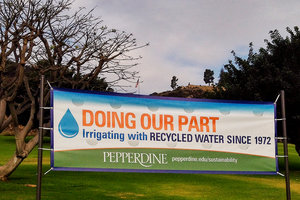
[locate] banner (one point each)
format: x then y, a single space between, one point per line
120 132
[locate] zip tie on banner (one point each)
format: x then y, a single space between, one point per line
277 99
45 149
48 108
280 138
48 171
45 128
280 174
281 156
281 119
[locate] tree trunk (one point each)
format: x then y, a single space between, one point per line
2 111
22 148
7 169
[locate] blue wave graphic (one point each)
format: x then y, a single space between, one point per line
187 104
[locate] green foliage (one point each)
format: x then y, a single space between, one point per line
174 82
208 76
262 75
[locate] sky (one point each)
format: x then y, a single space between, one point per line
188 36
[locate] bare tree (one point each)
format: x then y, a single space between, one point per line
76 51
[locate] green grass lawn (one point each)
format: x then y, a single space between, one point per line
98 185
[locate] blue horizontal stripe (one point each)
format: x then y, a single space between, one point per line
160 102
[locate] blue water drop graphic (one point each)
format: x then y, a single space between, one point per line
68 126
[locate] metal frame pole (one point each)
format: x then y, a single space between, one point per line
285 147
40 149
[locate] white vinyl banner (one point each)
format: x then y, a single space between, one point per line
117 132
